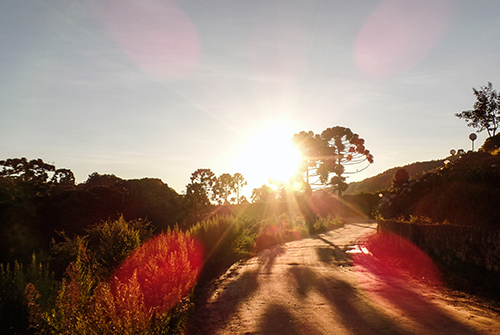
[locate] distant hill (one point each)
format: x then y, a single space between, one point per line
382 181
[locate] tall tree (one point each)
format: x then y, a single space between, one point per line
200 190
238 183
227 188
486 112
223 188
333 151
206 179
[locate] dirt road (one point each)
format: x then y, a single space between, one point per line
313 286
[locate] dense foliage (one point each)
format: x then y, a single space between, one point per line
491 145
34 206
463 192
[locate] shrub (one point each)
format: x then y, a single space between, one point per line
113 241
107 245
491 144
278 230
327 223
146 294
13 280
400 178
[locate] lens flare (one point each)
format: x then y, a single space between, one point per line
399 34
165 268
157 36
392 270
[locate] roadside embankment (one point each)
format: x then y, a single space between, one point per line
471 252
474 245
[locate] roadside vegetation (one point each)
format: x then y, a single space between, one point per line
126 273
459 193
114 256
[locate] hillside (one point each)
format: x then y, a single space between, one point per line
382 181
463 192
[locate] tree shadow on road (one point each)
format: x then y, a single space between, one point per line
332 254
233 289
277 320
406 294
268 257
354 313
219 306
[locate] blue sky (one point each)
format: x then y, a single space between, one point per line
160 88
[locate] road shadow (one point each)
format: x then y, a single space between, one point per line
218 307
355 314
268 257
332 254
276 319
389 287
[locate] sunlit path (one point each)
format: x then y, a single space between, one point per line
313 286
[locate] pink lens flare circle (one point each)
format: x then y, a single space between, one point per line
157 36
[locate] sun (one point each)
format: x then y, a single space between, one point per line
269 155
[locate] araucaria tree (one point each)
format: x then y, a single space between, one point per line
333 151
486 112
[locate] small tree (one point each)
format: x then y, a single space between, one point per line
486 112
263 194
227 188
400 177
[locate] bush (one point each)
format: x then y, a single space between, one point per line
491 145
324 224
107 244
13 281
400 178
278 230
146 294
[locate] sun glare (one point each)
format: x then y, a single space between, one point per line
269 155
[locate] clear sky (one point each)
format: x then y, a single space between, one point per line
160 88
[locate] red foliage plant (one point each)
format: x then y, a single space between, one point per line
166 268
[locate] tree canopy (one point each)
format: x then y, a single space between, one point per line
206 187
486 112
333 151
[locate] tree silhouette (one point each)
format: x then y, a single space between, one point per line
20 168
333 151
64 178
238 183
201 189
203 180
263 194
486 112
